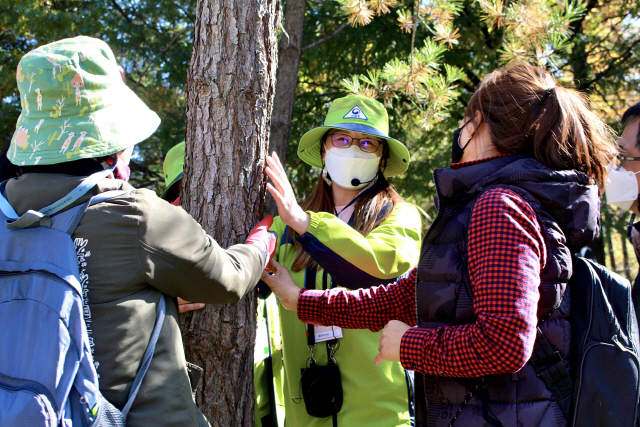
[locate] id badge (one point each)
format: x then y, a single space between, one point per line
261 349
326 333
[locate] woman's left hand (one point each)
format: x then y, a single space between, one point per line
288 208
282 284
389 348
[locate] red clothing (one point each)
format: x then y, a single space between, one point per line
506 254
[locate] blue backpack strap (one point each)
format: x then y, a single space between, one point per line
5 207
99 198
148 355
68 220
42 217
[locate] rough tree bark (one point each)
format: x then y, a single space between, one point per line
229 97
289 55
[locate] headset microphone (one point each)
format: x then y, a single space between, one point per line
355 181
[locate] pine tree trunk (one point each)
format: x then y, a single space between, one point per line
229 97
289 55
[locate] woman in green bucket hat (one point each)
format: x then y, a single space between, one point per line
354 231
78 116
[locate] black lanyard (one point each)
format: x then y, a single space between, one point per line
355 199
335 211
310 283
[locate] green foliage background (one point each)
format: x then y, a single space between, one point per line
152 41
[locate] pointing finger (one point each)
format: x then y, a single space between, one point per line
378 359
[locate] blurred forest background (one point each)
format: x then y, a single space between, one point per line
423 59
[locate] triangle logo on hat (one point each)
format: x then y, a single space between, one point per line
355 113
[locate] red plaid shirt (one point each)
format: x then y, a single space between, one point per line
506 255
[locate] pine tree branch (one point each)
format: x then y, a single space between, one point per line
612 66
190 17
117 7
329 36
416 12
162 52
475 80
576 26
150 175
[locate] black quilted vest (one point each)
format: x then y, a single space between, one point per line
568 210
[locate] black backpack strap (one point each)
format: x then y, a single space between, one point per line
549 366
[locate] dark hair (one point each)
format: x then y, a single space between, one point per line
527 111
172 192
81 167
632 113
7 169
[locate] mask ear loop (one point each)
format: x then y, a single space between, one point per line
473 134
325 176
325 172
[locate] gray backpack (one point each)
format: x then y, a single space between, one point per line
47 375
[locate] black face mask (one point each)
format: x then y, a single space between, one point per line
456 150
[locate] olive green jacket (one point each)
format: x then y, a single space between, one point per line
131 249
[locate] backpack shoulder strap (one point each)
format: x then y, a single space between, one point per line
68 220
549 364
148 355
102 197
42 217
549 367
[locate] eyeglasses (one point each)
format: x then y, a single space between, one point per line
623 157
368 145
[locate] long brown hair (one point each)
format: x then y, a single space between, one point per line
527 111
371 209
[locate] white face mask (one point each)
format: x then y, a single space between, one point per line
351 168
621 188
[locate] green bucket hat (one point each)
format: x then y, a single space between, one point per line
173 167
359 114
75 105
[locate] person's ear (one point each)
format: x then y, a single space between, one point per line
473 125
477 119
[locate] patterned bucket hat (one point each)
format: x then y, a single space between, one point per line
359 114
75 105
